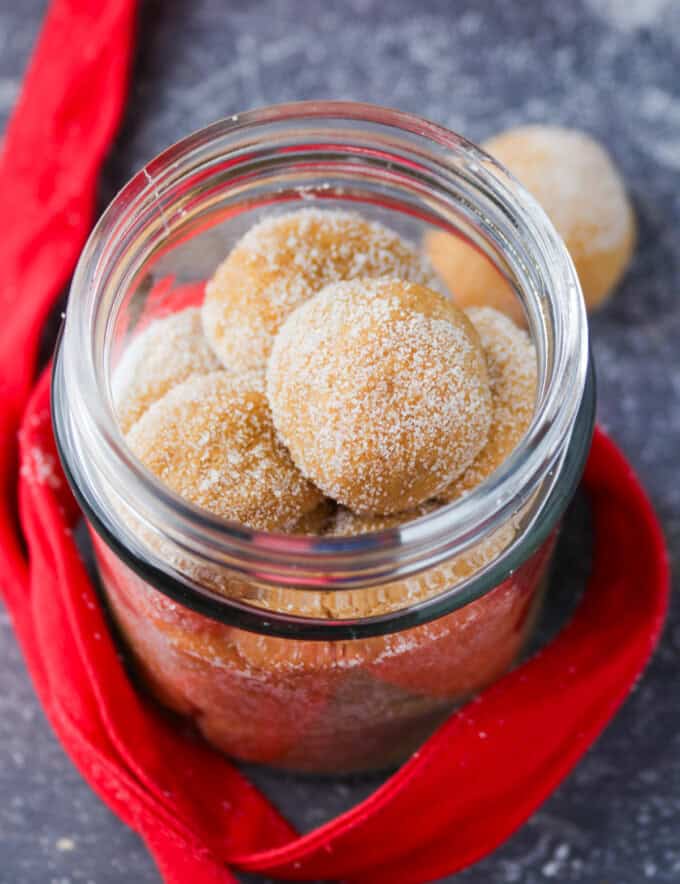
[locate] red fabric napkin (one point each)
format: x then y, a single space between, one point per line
470 785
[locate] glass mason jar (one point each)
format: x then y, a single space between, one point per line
314 653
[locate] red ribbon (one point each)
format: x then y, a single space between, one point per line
469 787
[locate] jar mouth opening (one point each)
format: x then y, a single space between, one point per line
434 158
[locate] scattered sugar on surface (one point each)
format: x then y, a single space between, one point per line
41 468
379 389
661 110
555 866
630 15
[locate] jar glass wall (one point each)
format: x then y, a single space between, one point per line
321 654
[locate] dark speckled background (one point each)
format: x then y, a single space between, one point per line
609 66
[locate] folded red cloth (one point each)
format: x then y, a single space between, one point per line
462 793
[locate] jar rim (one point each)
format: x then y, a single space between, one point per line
300 560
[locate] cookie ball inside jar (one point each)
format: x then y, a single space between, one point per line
402 682
435 659
379 389
165 353
512 367
211 440
196 666
284 260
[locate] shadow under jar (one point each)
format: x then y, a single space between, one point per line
318 654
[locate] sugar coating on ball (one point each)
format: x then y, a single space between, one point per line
512 367
167 352
211 440
284 260
379 389
575 181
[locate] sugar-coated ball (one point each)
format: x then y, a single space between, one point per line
167 352
512 367
379 389
211 440
285 259
576 182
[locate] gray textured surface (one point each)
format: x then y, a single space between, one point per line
609 66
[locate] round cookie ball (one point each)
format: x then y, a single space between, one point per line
575 181
211 440
167 352
578 186
512 366
283 261
379 389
